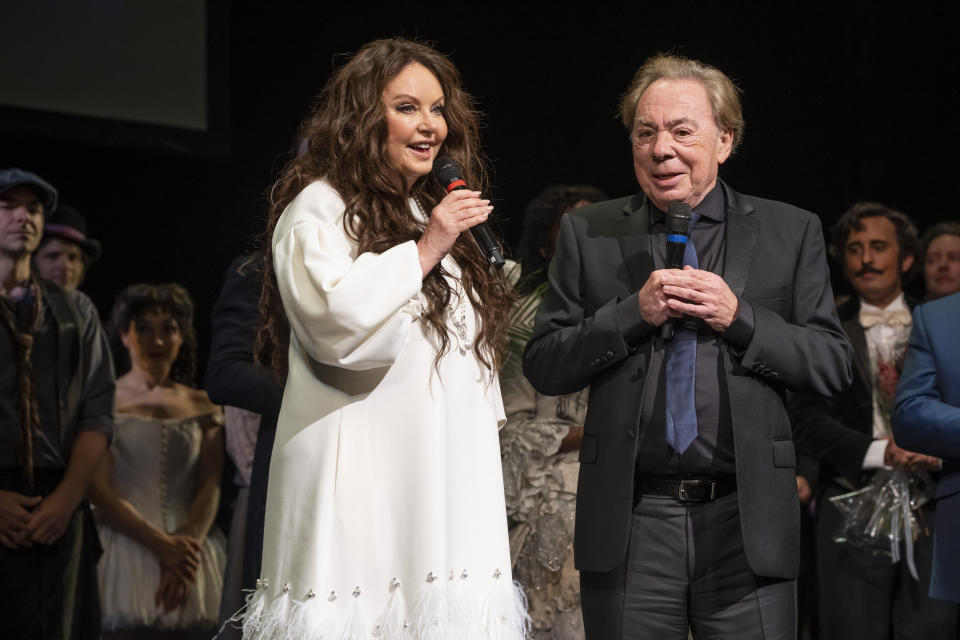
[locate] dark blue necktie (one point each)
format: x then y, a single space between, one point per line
681 370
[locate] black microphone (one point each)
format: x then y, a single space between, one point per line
447 173
678 226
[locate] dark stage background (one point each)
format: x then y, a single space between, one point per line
842 103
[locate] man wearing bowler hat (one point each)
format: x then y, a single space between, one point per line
65 252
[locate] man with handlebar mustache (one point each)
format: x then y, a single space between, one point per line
862 595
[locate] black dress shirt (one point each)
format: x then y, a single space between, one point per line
711 454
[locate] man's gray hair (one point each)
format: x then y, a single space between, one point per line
724 95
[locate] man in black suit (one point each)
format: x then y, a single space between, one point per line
860 594
687 513
56 422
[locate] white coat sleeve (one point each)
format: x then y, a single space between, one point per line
346 311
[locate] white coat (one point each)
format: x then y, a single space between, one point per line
385 511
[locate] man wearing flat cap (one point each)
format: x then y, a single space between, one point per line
65 252
56 420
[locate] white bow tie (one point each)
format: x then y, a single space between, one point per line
896 318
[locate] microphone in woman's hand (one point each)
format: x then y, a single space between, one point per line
447 173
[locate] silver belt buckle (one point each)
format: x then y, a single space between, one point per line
682 495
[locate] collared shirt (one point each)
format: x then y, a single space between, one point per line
52 447
889 343
712 452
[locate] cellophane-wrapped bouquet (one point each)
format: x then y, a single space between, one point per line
885 513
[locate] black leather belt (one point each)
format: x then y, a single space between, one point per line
688 489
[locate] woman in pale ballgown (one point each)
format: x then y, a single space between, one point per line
156 493
385 513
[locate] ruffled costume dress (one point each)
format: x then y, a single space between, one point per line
540 484
154 467
385 512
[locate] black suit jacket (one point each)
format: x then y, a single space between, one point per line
838 430
232 377
776 264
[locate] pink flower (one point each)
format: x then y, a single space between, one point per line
888 374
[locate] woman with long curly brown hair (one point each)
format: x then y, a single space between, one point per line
385 512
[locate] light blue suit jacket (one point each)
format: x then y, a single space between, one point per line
927 419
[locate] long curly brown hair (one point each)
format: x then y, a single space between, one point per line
343 140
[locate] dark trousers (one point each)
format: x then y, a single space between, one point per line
862 595
807 582
50 592
686 571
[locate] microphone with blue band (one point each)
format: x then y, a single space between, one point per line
678 227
